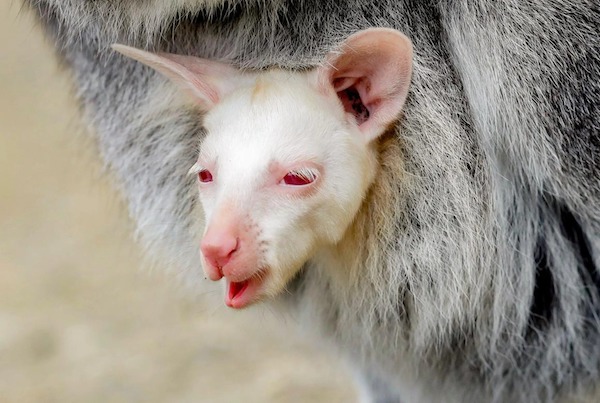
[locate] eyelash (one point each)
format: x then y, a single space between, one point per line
299 177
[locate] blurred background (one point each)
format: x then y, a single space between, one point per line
80 319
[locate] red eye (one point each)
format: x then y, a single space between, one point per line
299 178
205 176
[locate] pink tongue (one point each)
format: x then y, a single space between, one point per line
237 289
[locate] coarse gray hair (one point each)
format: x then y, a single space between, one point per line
473 272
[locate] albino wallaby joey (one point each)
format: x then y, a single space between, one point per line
288 156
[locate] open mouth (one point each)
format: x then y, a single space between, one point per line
239 294
236 290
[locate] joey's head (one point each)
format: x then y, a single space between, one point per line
288 156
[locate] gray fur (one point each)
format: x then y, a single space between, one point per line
482 283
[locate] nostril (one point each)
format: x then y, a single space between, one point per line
236 246
227 252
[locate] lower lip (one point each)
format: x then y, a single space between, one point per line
241 294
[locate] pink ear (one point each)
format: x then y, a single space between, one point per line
205 80
370 75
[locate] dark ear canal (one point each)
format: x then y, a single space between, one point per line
353 104
370 74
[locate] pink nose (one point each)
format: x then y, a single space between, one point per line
217 249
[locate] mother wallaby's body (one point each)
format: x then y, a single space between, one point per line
475 273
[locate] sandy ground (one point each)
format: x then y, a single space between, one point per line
80 321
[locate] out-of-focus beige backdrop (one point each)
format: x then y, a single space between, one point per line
80 321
